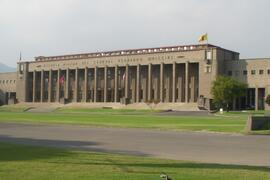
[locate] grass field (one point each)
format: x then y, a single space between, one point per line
128 119
29 162
232 122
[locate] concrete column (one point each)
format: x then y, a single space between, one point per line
76 86
42 86
149 82
156 88
192 89
168 86
161 82
85 84
105 83
138 84
115 83
95 84
187 82
173 81
34 86
58 86
50 87
67 84
180 88
256 98
250 97
133 86
126 82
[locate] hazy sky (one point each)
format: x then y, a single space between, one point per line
55 27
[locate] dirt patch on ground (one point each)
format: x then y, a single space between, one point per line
183 113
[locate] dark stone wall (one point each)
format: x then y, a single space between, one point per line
257 123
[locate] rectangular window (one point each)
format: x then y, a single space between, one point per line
21 68
245 72
253 72
229 73
233 56
261 71
208 55
208 69
268 71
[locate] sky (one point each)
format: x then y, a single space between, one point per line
56 27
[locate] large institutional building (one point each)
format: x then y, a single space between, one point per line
178 74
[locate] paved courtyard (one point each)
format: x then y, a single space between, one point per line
192 146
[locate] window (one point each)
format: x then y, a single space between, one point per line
229 73
261 71
253 72
21 68
236 73
245 72
233 56
208 69
208 55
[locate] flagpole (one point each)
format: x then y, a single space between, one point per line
20 56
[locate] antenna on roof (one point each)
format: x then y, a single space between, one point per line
20 56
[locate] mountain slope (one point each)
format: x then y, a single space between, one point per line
5 68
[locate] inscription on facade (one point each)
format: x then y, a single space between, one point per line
105 61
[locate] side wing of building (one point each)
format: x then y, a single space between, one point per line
8 83
256 74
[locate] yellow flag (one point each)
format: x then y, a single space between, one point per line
203 38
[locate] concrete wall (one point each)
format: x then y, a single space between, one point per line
202 63
22 82
7 84
257 80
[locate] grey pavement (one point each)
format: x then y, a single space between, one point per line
191 146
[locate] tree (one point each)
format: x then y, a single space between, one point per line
226 89
268 100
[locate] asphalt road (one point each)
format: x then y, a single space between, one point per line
191 146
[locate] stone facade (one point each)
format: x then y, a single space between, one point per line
178 74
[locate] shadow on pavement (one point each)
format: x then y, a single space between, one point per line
65 146
10 152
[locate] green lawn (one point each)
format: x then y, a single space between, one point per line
30 162
129 119
232 122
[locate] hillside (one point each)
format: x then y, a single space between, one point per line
5 68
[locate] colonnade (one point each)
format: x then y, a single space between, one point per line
176 82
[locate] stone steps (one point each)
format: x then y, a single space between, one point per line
49 107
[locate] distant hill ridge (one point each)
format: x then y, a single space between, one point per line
4 68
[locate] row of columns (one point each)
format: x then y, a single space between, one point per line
126 89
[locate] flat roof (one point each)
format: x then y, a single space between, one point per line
181 48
